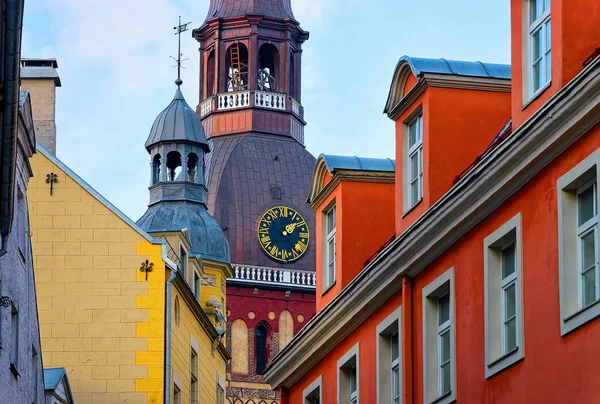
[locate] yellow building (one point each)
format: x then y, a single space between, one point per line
117 328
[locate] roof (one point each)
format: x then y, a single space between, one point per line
450 73
281 9
357 163
177 122
40 69
456 67
53 376
207 239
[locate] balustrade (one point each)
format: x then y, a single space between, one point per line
275 275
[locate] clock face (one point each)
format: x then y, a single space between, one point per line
283 234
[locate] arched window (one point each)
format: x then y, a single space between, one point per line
236 62
156 169
268 67
210 74
173 165
260 344
192 167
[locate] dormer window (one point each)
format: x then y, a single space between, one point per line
183 258
329 253
540 45
414 160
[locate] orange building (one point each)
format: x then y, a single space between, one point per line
469 270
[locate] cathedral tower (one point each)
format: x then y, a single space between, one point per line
258 178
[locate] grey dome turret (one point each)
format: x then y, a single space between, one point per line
177 123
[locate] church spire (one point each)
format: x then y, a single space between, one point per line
179 29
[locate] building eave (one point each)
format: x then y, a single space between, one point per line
565 118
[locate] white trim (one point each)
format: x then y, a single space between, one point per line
349 360
572 314
496 356
441 286
309 391
194 344
330 237
390 325
409 152
220 381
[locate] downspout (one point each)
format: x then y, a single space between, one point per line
407 337
13 20
168 315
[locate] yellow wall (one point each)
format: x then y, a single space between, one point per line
209 365
98 315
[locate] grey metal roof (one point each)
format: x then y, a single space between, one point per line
235 8
206 236
357 163
40 69
457 67
177 122
52 378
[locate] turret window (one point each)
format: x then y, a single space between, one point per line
156 169
192 167
237 64
268 60
173 165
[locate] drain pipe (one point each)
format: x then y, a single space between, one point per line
12 43
168 315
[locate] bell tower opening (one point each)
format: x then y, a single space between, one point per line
268 71
237 64
173 165
210 74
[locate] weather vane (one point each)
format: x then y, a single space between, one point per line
178 30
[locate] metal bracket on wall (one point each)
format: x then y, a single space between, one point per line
51 179
5 301
146 267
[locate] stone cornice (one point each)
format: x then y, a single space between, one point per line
565 118
447 81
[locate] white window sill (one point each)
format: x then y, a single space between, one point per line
573 321
328 288
535 95
503 362
413 207
447 398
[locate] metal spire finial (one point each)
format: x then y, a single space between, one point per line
178 30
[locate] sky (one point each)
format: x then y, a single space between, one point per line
117 75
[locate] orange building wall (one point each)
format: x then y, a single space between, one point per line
575 35
365 334
364 222
555 369
458 125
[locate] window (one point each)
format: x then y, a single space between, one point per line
540 44
14 340
313 394
183 258
415 160
193 376
579 276
176 394
503 300
439 341
21 220
329 273
196 285
261 349
348 376
220 389
176 310
389 388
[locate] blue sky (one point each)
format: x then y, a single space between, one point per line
114 64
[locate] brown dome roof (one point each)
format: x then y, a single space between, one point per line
234 8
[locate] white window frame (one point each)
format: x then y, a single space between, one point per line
197 285
177 389
314 391
413 150
390 326
572 312
348 362
432 330
497 356
329 263
183 259
590 226
220 389
543 25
